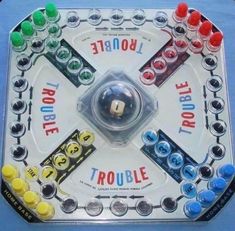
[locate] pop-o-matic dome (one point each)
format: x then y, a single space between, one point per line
116 105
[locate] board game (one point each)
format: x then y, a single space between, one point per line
117 115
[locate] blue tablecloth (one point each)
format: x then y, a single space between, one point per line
222 13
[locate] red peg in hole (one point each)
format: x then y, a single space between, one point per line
216 39
205 29
181 11
194 19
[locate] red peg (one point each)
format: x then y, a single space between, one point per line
181 10
205 29
194 18
216 39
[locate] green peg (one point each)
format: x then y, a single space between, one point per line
52 12
39 19
27 28
17 40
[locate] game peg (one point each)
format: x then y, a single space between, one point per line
27 29
17 41
20 186
39 20
31 199
9 172
204 30
45 210
194 20
52 12
181 12
215 41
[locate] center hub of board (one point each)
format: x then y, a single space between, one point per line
117 106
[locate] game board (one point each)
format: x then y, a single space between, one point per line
117 115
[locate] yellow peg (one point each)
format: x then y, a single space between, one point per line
9 172
45 210
31 199
20 186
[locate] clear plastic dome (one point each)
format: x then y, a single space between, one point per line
117 105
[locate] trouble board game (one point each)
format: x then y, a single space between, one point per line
117 115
